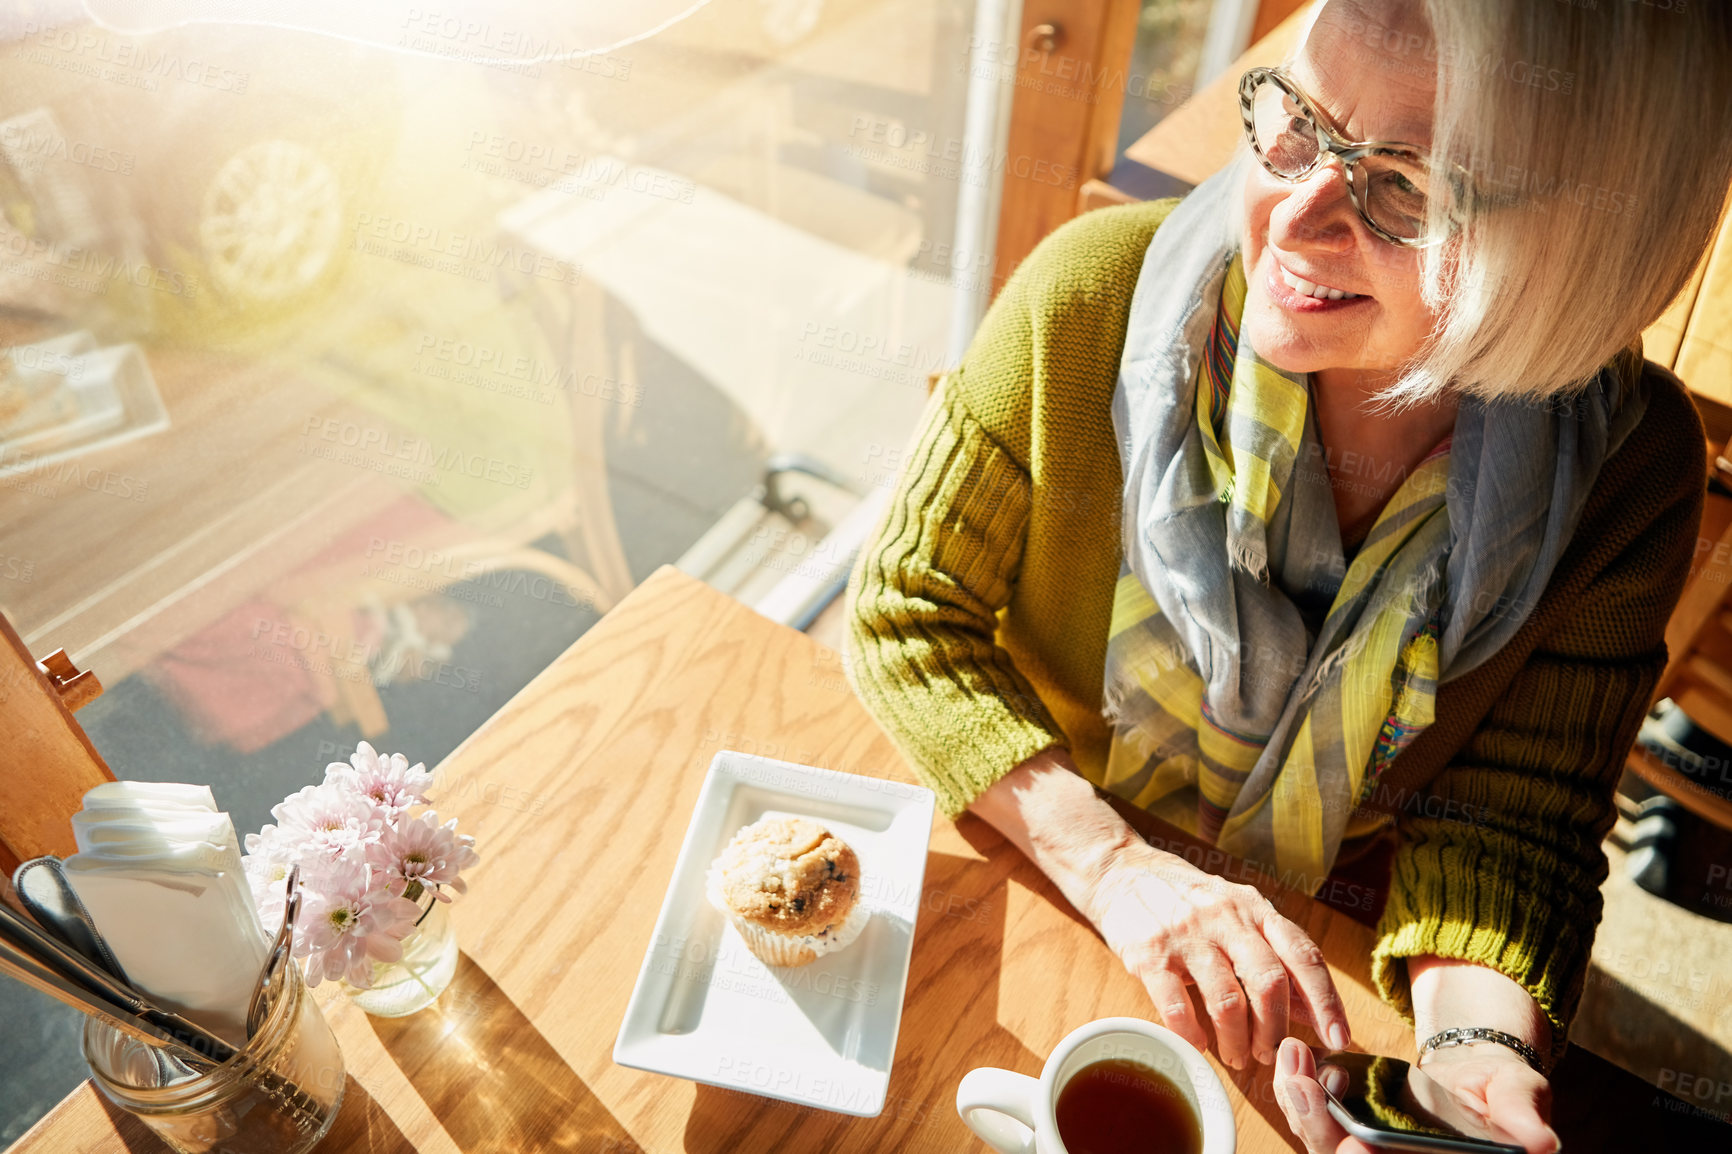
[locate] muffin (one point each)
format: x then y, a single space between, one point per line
792 889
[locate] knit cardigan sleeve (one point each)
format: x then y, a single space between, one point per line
923 601
1504 865
928 592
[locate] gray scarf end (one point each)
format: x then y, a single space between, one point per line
1250 560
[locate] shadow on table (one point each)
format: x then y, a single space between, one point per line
363 1127
490 1077
949 1026
134 1135
1597 1107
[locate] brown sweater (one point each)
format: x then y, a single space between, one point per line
978 622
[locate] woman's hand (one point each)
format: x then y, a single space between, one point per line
1174 925
1490 1083
1497 1087
1301 1099
1170 922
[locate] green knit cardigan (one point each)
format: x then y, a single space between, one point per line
977 620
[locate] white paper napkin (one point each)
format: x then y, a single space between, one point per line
160 871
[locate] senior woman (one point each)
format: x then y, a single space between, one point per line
1340 479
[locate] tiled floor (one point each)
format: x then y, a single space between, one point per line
1659 996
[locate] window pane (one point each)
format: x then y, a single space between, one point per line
1163 67
349 380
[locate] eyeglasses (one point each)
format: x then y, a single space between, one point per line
1389 183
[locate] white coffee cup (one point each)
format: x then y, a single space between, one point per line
1014 1114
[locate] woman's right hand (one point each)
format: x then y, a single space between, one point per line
1175 926
1172 924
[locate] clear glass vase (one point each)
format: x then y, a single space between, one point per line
428 964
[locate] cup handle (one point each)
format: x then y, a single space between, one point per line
999 1107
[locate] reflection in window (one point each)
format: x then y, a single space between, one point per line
346 384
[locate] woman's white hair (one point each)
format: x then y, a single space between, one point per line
1599 139
1598 136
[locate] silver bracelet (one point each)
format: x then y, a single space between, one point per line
1466 1035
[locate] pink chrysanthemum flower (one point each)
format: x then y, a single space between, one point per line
267 863
326 822
390 783
419 852
350 922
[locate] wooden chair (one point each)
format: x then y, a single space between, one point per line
1698 674
46 761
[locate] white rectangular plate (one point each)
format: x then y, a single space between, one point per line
823 1034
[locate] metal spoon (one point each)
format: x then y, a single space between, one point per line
23 940
44 891
278 956
40 960
190 1044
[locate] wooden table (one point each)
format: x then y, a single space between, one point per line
580 790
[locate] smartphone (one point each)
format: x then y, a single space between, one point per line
1390 1105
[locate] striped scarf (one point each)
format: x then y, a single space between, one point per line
1257 682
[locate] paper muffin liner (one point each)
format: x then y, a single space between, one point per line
778 949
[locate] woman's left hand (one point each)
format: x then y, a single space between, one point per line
1487 1081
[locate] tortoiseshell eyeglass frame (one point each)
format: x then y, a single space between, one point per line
1329 142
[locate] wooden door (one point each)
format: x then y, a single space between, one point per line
1071 73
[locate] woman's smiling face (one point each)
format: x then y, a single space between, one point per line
1310 230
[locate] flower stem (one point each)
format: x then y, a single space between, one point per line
432 901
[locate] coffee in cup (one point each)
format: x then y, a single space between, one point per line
1120 1106
1113 1086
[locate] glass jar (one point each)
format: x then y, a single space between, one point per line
428 964
278 1095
